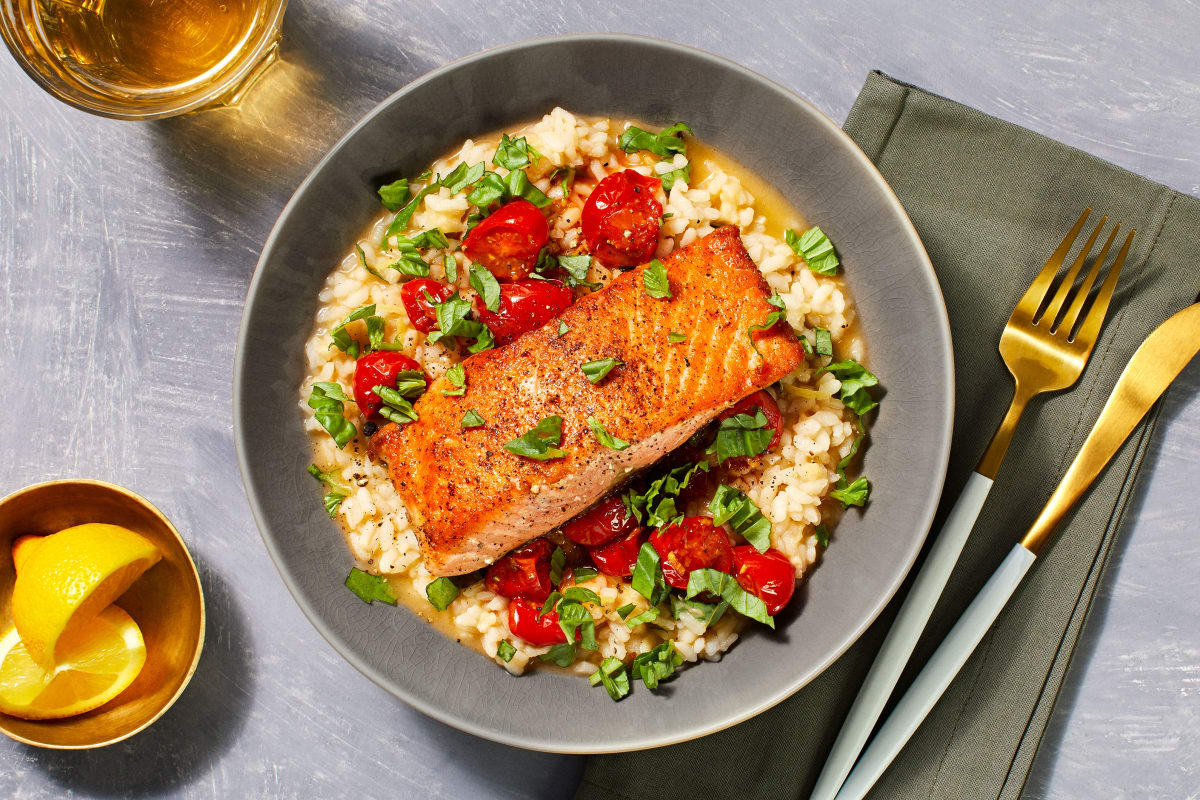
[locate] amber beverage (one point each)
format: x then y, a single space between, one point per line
142 59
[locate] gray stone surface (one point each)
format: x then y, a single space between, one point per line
126 249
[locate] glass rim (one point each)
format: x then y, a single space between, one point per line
192 100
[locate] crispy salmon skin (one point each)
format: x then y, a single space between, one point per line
471 501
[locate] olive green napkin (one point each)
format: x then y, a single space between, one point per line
991 201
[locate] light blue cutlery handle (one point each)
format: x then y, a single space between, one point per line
937 674
903 636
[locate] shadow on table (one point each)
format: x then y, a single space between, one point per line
190 736
1093 628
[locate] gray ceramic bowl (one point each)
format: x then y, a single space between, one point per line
771 131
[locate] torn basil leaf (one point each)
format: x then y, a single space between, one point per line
855 380
824 342
815 248
657 664
624 611
562 655
456 376
338 490
362 262
410 383
604 437
742 436
582 574
342 339
676 338
541 442
614 677
596 370
557 560
517 184
505 651
822 535
485 283
463 176
395 194
656 506
684 174
327 401
648 615
664 144
577 268
574 616
441 593
730 505
453 316
706 613
395 406
770 322
488 190
725 586
648 578
515 153
370 588
852 494
654 278
471 419
562 328
405 215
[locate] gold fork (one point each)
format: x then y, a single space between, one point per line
1045 349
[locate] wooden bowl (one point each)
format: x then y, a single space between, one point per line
166 602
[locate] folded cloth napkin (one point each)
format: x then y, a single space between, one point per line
991 201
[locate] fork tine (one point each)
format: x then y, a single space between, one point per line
1029 303
1072 315
1060 296
1090 329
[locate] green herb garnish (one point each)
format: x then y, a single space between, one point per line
855 379
657 664
463 176
654 278
614 677
405 214
557 560
541 442
625 610
338 490
684 174
665 143
453 316
471 419
656 506
515 153
342 339
395 194
596 370
362 261
327 401
824 342
604 437
485 283
706 613
370 588
772 319
726 587
851 494
676 338
733 506
456 376
577 268
562 328
822 535
562 655
648 580
649 614
582 574
505 651
395 406
742 436
815 248
441 593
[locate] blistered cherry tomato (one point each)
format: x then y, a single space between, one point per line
617 558
621 219
601 524
523 622
419 309
770 409
525 572
377 369
768 576
524 306
693 543
508 241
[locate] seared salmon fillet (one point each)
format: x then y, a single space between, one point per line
471 501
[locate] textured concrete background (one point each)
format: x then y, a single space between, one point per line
126 249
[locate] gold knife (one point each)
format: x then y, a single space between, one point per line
1156 363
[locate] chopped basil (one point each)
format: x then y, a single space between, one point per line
577 267
706 613
557 559
684 174
855 379
395 407
370 588
338 490
405 215
450 266
604 437
485 283
515 153
770 322
395 194
851 494
822 535
410 383
625 610
489 189
657 664
342 339
654 278
471 419
815 248
327 401
726 587
580 594
742 436
663 144
567 181
463 176
541 442
362 261
582 574
441 593
551 603
453 320
807 345
676 338
649 614
596 370
562 655
656 506
824 342
456 376
648 578
562 328
505 651
332 502
574 617
492 188
517 184
733 506
614 677
410 262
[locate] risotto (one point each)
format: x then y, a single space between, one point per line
783 497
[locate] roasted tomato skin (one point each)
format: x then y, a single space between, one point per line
768 576
618 557
693 543
622 218
524 306
601 524
525 572
508 241
420 312
761 399
523 622
378 369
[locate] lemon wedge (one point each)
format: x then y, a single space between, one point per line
23 548
69 577
97 662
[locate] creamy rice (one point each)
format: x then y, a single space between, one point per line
789 483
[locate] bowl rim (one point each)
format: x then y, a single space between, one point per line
191 670
769 700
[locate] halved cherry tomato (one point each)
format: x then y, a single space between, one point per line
525 572
601 524
523 622
420 311
693 543
377 369
621 219
524 306
617 558
509 240
768 576
759 400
